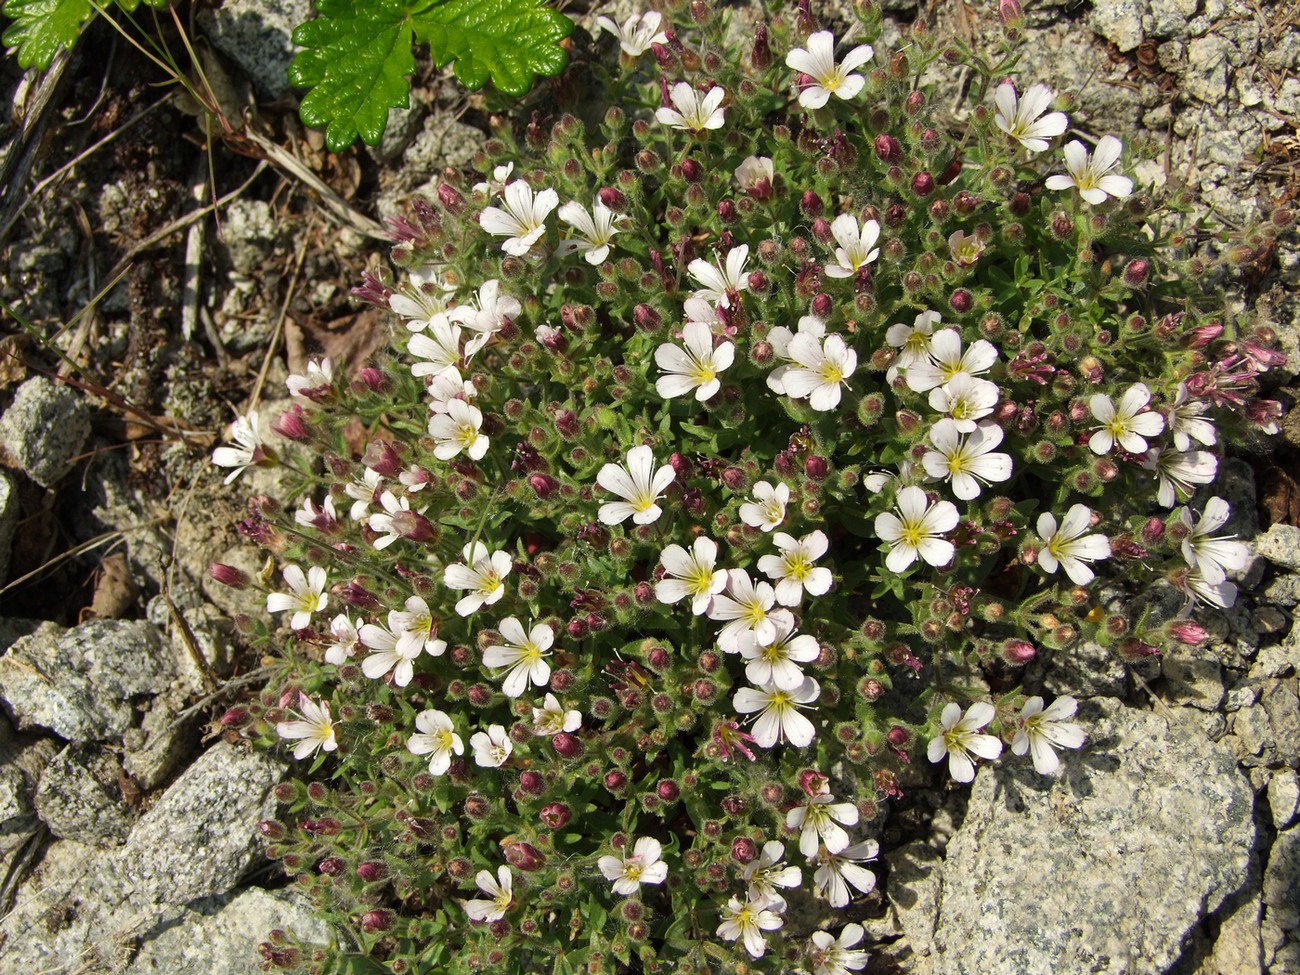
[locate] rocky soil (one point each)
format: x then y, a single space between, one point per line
1170 844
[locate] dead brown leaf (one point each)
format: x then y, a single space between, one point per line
115 589
1280 495
350 339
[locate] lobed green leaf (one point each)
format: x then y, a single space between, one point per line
41 27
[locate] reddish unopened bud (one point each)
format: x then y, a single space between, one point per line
743 849
532 782
668 790
961 301
524 856
817 468
543 484
567 746
566 423
1136 273
452 200
813 782
555 815
289 424
615 781
908 422
810 204
382 458
1018 652
922 184
692 171
1010 14
378 920
1189 632
727 211
228 575
271 829
612 197
914 102
372 379
888 149
477 807
821 230
371 871
1134 649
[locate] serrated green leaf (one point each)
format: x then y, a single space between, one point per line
357 59
506 41
41 27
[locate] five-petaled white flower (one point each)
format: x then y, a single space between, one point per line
637 33
779 338
595 230
631 870
438 348
1091 174
1066 545
346 640
1038 729
947 361
1214 556
721 283
485 314
551 719
410 632
639 485
1221 594
836 872
1125 424
1022 118
966 460
837 956
457 430
746 922
766 873
394 521
691 573
423 296
767 510
523 221
778 718
308 595
793 570
691 111
249 452
965 248
818 370
817 61
482 574
818 820
491 748
777 663
912 341
319 379
437 738
965 400
1179 472
747 607
694 367
857 246
499 891
1187 421
915 530
959 739
315 730
524 653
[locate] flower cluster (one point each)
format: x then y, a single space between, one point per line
725 446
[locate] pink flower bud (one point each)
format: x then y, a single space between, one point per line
817 468
378 920
761 54
1136 273
289 424
612 197
382 458
743 849
888 149
922 184
372 379
228 575
524 856
1018 652
810 204
961 301
371 871
555 815
567 746
543 484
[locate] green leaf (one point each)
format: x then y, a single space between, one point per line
41 27
358 55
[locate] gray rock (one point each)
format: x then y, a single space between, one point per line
1280 702
1194 676
1283 797
1169 17
21 764
1120 22
1238 947
80 683
1280 545
256 35
1207 68
201 835
1282 881
44 428
248 234
1283 590
915 879
79 798
155 749
1112 832
8 522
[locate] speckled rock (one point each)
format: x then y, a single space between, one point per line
44 428
256 35
1280 545
79 798
8 522
1110 831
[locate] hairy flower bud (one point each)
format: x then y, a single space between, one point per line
555 815
567 746
922 184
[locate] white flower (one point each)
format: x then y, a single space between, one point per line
965 248
500 894
691 574
316 729
695 367
491 749
496 185
965 400
1126 424
857 246
756 174
448 386
439 349
1039 729
836 872
1068 546
364 491
912 341
551 719
819 370
641 866
437 739
1092 174
828 78
481 574
777 663
766 873
637 33
746 608
457 430
832 956
779 338
410 632
779 718
523 653
323 516
392 522
1186 420
817 819
1221 595
307 596
1022 118
523 221
486 314
793 570
691 111
947 361
595 230
1214 556
1178 472
965 461
423 297
747 922
915 530
249 452
767 510
319 374
719 284
638 483
346 640
959 739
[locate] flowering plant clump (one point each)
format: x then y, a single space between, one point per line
734 453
